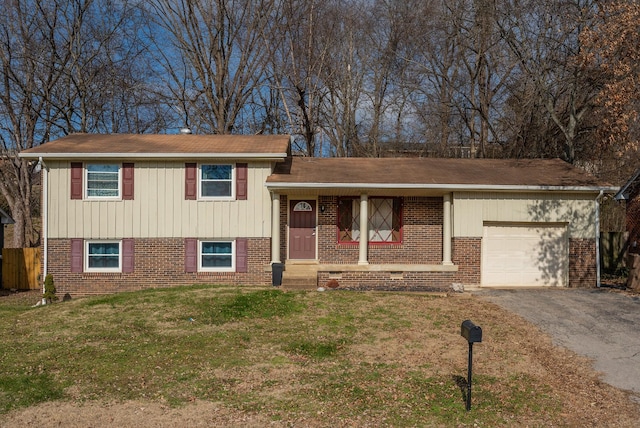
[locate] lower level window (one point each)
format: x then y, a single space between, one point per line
104 256
217 256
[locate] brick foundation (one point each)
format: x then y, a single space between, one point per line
391 281
159 262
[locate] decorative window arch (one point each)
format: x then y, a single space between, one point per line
303 206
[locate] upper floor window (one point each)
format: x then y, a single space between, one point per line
103 180
384 220
216 181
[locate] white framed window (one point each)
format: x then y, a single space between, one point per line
216 256
216 181
103 256
102 181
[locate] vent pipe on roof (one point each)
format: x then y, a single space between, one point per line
185 131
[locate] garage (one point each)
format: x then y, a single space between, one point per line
526 255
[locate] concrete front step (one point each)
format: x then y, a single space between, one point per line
300 276
299 282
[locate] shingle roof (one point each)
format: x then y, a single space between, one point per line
629 187
430 173
161 145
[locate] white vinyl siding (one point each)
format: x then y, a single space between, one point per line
159 210
472 210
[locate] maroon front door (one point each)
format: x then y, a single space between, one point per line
302 230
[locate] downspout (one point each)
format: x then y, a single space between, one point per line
598 198
45 216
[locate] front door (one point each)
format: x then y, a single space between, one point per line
302 230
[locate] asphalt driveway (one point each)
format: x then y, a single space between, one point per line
596 323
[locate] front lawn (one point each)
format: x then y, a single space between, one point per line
297 358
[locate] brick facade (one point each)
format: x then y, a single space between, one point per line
159 262
421 245
466 253
582 263
633 220
421 235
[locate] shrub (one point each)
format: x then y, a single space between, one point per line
49 289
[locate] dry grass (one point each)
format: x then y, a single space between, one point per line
215 356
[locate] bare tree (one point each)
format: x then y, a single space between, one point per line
213 54
544 37
343 78
34 47
299 51
433 77
390 25
65 66
367 98
107 84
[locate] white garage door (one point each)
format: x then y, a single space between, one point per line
525 255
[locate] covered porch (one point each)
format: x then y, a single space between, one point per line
316 234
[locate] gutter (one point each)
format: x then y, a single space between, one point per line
427 186
597 221
181 155
45 218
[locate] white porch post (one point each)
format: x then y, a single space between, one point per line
446 229
275 228
364 230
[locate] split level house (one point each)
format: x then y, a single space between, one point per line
127 212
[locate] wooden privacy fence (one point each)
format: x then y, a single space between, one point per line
613 248
21 268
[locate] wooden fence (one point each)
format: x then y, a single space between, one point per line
613 248
21 268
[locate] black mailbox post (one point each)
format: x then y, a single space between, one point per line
473 334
